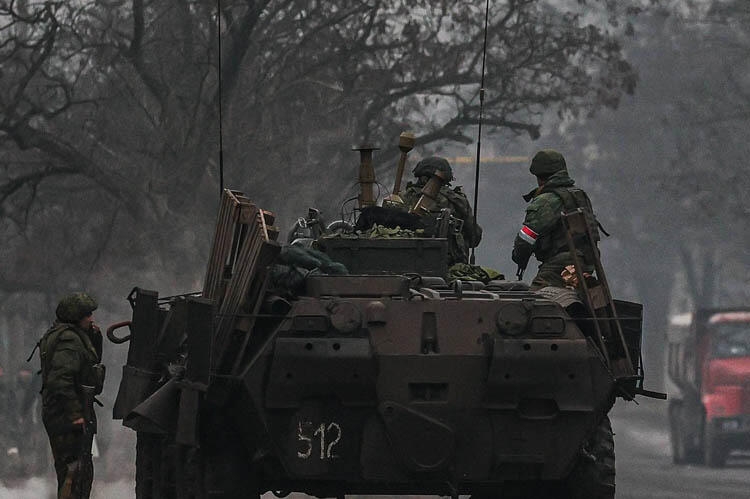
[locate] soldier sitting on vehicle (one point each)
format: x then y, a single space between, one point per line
454 199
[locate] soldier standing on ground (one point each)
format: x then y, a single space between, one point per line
71 352
451 198
542 233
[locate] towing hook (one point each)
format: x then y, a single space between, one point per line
117 339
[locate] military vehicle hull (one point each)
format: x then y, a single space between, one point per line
368 384
360 369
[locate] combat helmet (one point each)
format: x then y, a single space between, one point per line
75 307
546 162
427 167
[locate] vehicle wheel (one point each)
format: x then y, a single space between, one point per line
593 476
681 449
684 451
145 461
675 437
154 467
189 473
226 471
220 468
714 451
678 445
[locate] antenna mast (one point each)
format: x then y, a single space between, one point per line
472 259
221 131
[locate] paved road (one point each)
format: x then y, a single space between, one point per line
644 462
644 466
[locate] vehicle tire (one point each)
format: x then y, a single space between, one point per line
154 466
714 450
189 473
227 472
593 476
145 461
220 468
684 450
675 436
678 445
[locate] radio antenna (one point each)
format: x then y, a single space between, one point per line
221 131
472 259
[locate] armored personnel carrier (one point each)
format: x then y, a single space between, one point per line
366 371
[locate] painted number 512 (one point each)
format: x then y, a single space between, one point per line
327 437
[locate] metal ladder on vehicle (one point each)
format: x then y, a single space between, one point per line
598 297
602 307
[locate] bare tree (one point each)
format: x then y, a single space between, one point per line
109 110
710 173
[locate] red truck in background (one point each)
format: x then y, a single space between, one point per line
708 382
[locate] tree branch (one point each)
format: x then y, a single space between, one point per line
134 54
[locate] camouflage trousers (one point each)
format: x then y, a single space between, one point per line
550 272
74 473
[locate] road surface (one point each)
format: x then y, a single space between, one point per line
644 466
644 461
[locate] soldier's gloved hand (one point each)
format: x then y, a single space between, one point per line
521 258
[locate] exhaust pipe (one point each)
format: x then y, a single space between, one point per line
366 175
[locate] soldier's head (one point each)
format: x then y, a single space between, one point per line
546 163
427 167
76 308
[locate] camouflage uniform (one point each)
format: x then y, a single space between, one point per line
70 358
542 233
451 198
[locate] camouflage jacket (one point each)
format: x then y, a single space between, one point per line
542 232
455 200
70 358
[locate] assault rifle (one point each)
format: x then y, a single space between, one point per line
81 468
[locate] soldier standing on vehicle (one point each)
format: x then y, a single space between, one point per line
453 199
71 352
542 233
